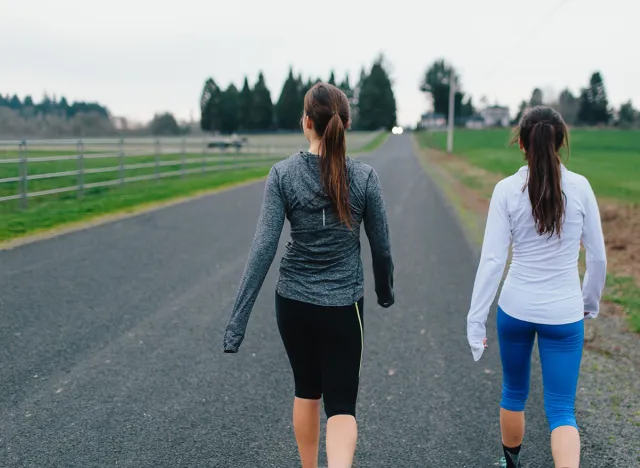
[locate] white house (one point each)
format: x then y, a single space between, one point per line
496 116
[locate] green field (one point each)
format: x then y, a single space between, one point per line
610 159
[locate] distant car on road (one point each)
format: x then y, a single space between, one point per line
227 142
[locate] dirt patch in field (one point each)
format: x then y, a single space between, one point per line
621 226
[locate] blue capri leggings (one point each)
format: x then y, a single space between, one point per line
560 355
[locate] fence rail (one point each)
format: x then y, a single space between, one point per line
188 157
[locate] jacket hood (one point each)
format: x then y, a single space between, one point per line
308 182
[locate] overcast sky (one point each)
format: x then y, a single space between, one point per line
139 57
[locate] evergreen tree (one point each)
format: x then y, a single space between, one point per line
466 108
15 103
376 102
568 107
45 106
307 86
28 101
288 108
627 116
355 111
594 105
302 91
536 98
229 110
346 88
332 79
263 107
209 106
246 106
164 125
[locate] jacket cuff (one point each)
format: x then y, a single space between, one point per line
477 350
231 344
386 301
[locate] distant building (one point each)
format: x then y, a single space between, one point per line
496 116
432 120
475 121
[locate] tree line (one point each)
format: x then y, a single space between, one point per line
53 118
589 108
51 106
251 109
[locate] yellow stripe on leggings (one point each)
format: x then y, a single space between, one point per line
361 337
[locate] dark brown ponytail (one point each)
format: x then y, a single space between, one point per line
541 134
328 108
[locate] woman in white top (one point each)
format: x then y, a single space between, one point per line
546 211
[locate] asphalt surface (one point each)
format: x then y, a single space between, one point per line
112 344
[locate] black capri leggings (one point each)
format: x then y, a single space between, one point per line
324 345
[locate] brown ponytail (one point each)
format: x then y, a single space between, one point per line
541 134
328 108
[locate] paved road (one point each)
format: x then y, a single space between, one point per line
112 345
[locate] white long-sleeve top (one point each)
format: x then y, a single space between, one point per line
543 282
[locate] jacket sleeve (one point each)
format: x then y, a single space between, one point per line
596 257
377 230
263 250
495 249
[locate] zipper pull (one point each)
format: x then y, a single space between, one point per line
324 219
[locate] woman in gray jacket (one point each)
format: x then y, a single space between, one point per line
326 196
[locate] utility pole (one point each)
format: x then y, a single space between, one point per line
452 95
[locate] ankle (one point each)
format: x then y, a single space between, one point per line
512 455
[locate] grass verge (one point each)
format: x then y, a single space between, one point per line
373 144
622 290
53 212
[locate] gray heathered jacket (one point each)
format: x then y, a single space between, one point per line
322 263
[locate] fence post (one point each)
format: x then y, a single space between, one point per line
157 159
184 156
24 187
121 160
204 155
80 168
